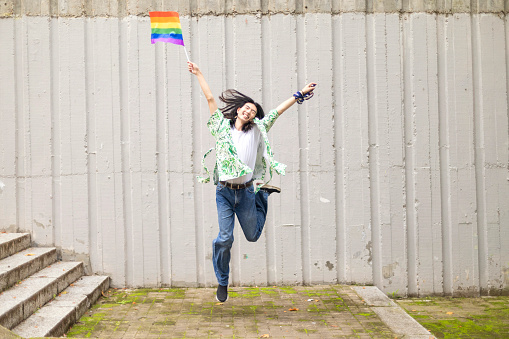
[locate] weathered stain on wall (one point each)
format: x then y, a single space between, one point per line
122 8
397 168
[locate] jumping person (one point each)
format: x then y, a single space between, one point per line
242 152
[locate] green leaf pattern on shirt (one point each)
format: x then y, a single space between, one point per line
228 165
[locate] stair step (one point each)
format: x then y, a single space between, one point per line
11 243
56 317
25 263
19 302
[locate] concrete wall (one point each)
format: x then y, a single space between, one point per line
397 168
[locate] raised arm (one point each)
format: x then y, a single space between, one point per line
289 102
193 68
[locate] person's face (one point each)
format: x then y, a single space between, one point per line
247 112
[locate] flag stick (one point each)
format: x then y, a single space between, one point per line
187 56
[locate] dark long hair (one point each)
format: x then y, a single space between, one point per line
233 100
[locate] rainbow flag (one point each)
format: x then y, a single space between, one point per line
166 27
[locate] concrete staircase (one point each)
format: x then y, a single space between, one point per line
40 296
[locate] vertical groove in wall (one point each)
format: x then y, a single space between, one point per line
373 150
25 135
156 154
445 191
233 82
159 82
407 46
266 75
162 169
57 59
55 129
198 220
18 110
270 233
503 226
303 144
238 65
53 65
404 192
197 189
124 148
504 192
484 283
140 233
166 242
24 119
338 126
90 130
430 198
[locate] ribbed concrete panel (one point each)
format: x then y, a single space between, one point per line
34 163
69 142
456 104
319 168
352 111
244 56
284 225
397 168
386 163
421 137
8 111
491 141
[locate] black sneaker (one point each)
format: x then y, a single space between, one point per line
222 293
270 189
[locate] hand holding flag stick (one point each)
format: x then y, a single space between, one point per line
166 28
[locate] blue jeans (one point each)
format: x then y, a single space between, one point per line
251 210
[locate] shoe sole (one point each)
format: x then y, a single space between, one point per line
220 300
270 191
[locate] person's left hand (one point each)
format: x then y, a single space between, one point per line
309 87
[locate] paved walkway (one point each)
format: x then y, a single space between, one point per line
335 311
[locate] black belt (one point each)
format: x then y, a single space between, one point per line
237 186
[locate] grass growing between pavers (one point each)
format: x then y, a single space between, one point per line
485 317
289 312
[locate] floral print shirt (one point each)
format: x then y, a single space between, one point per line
228 165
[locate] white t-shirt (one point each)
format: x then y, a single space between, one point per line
246 144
